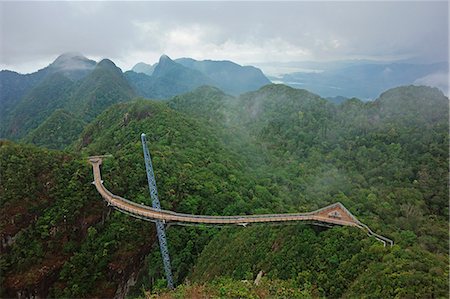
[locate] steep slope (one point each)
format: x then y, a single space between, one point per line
14 86
102 88
47 207
49 95
58 131
86 98
26 100
230 77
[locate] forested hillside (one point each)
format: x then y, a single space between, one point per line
58 131
67 83
277 149
83 88
27 99
379 159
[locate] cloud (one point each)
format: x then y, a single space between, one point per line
246 32
439 80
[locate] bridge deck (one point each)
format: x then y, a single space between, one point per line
335 214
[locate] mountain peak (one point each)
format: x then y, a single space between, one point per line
69 55
107 64
165 60
72 61
166 66
164 57
72 65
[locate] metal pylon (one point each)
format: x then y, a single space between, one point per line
156 205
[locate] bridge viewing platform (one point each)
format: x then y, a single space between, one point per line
335 214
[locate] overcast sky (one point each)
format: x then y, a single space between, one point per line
34 33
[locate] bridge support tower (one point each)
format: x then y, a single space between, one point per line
160 230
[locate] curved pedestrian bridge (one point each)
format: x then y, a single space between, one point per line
335 214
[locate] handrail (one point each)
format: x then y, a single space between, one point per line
335 214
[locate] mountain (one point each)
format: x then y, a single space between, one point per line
144 68
84 98
229 76
58 131
72 65
167 80
84 88
103 87
64 221
413 102
169 71
38 93
14 85
172 77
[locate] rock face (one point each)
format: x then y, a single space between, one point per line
258 277
127 273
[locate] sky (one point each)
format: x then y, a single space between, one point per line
33 34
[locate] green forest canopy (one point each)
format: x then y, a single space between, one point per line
274 150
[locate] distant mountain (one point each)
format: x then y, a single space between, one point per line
186 74
229 76
169 70
362 79
94 91
14 86
144 68
72 65
103 87
422 104
167 80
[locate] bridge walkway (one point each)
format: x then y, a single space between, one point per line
335 214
